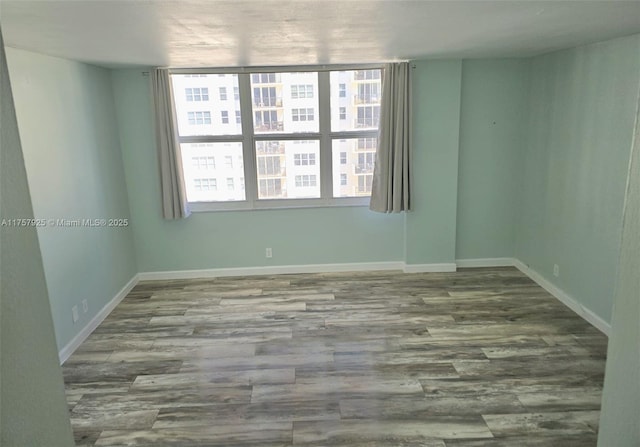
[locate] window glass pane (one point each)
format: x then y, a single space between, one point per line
353 163
284 102
288 169
355 100
200 113
209 172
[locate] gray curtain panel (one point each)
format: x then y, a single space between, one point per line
390 191
174 199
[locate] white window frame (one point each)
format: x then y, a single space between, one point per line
325 136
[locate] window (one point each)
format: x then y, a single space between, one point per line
309 136
368 93
265 97
302 114
367 74
368 116
304 159
367 144
204 162
265 78
198 118
357 157
304 181
364 183
205 184
301 91
269 165
197 111
197 94
365 162
267 120
272 158
363 113
271 187
199 161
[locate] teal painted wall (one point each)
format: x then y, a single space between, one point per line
67 124
342 235
431 225
33 407
495 95
582 110
235 239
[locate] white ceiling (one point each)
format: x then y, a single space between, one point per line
213 33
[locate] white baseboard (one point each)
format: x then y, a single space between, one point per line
76 341
485 262
430 268
565 298
306 268
271 270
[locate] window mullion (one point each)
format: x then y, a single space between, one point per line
248 145
324 116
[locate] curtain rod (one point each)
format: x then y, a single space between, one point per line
280 68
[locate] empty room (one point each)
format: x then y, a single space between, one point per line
320 223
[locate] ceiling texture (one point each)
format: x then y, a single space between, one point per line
199 33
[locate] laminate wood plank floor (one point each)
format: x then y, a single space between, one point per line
480 357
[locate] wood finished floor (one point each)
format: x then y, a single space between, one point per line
481 357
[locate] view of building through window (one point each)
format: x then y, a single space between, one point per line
285 142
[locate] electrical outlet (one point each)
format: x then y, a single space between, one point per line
85 306
556 270
269 252
74 314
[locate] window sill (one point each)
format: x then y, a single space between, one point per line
278 204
